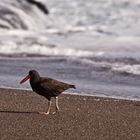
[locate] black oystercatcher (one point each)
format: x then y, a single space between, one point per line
46 87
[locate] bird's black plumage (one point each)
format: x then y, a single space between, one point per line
47 87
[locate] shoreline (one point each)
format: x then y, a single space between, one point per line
88 95
80 117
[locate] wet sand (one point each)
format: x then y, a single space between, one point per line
80 118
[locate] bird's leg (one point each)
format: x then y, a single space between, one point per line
48 110
56 104
49 107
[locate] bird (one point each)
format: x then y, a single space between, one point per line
46 87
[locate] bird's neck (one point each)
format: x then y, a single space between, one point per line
35 79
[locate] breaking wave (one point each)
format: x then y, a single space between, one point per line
22 14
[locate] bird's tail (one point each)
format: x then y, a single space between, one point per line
73 86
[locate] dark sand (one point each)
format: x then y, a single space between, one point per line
81 118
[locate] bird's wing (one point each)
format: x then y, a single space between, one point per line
52 85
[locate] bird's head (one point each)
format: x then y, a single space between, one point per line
33 75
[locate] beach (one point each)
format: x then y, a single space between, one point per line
93 45
80 117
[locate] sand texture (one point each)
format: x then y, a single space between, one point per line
80 118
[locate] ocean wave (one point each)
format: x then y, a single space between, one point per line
101 64
96 60
36 50
108 17
127 69
22 14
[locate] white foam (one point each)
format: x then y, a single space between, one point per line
115 66
12 48
132 69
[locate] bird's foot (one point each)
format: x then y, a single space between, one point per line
54 112
57 111
44 113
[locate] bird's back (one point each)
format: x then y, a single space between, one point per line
50 87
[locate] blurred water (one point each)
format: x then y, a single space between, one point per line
93 44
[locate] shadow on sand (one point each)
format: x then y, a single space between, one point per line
18 112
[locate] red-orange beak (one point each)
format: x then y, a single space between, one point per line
25 79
